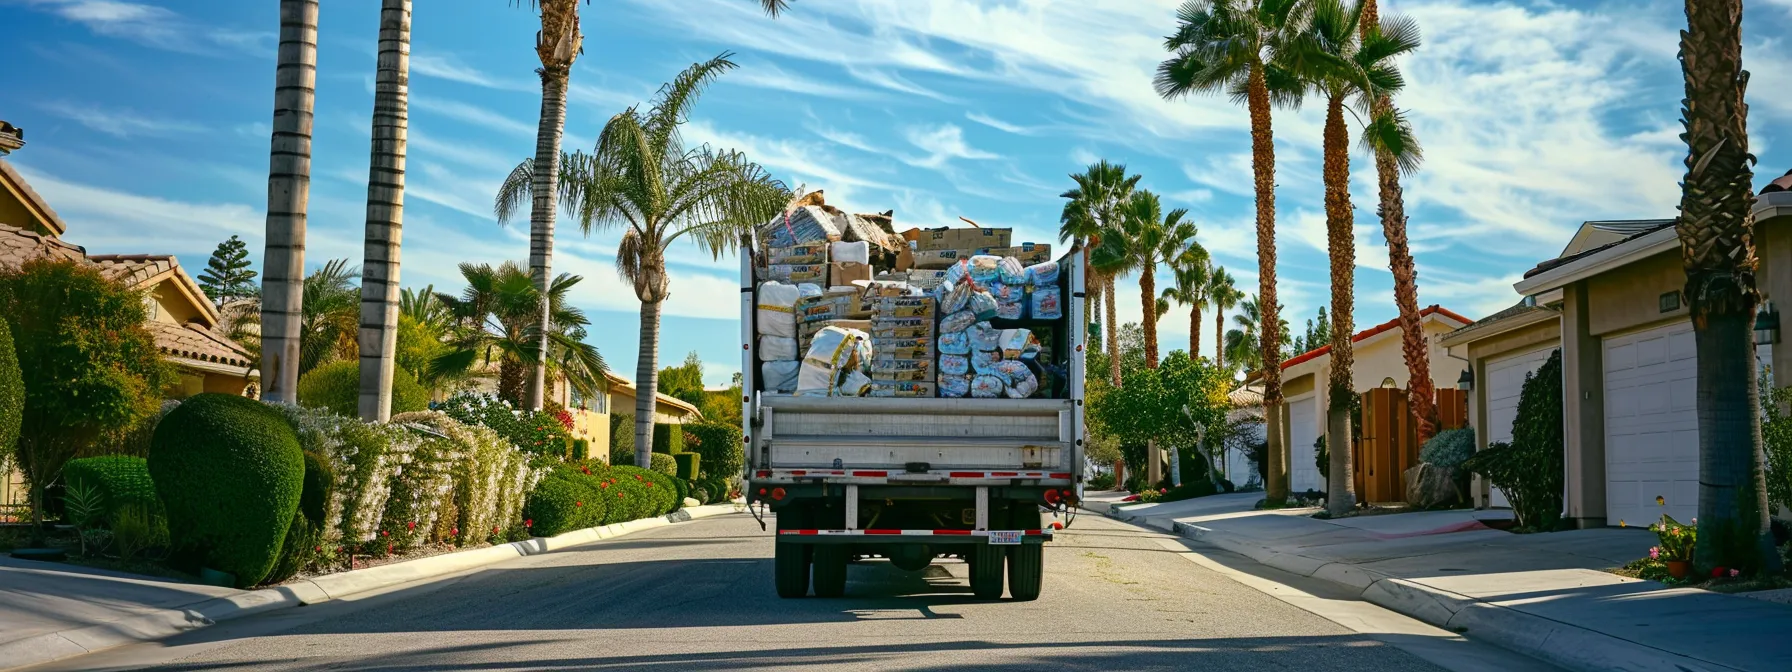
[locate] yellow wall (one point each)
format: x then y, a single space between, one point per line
14 212
623 401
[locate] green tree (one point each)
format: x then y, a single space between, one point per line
94 369
1145 237
1223 293
1101 191
643 180
685 381
494 323
329 317
1149 405
1717 245
228 274
1193 288
1236 47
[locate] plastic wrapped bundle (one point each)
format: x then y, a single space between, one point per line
779 376
1046 302
1042 274
954 365
955 343
956 273
987 387
920 390
1019 344
1023 384
1010 272
958 321
801 254
902 327
776 309
858 253
956 298
984 337
954 387
984 306
805 225
984 268
1011 300
855 384
985 361
832 351
778 348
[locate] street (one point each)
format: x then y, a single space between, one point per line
698 596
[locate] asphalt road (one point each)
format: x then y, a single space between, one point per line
698 596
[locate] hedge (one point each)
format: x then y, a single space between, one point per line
121 481
720 445
665 464
337 387
581 450
558 505
230 472
12 393
687 466
667 439
622 439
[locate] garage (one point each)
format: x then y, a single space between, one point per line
1505 382
1303 430
1651 425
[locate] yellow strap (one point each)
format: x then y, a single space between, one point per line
781 309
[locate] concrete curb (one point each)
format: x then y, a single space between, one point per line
162 623
1563 644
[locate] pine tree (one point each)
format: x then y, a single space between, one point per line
228 274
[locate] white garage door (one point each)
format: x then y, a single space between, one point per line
1505 380
1303 430
1651 425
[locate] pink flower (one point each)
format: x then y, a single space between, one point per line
1735 572
1655 553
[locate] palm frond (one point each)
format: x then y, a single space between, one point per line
672 104
517 190
1390 132
774 7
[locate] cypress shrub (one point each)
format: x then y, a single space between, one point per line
622 439
337 386
12 394
121 481
720 445
687 466
667 439
581 450
231 473
1529 469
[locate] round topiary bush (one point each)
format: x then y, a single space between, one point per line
230 473
665 464
337 386
121 480
1450 448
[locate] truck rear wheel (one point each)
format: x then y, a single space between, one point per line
830 570
986 572
1026 562
792 569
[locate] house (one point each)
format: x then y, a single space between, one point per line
1612 304
593 418
1379 362
1246 414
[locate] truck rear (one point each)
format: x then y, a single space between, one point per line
915 478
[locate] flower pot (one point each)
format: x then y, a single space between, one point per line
1679 568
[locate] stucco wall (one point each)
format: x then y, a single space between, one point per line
1629 298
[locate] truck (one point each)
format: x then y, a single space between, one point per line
911 480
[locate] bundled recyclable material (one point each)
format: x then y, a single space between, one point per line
903 359
780 376
806 331
1018 344
1046 302
903 389
776 309
955 343
984 268
1019 378
984 361
890 367
857 253
800 254
805 225
904 348
833 353
1039 275
953 386
984 337
1011 300
798 273
958 321
855 384
901 327
778 348
1010 272
838 303
954 365
987 386
983 306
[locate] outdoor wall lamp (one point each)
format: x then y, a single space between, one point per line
1767 325
1466 382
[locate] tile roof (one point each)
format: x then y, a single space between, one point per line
9 174
133 269
19 245
194 342
1323 350
1784 183
1642 228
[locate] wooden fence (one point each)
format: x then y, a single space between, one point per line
1389 441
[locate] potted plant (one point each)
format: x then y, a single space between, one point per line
1676 542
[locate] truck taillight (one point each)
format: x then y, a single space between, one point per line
1052 497
777 494
762 492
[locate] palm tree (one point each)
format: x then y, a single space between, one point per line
1243 348
385 212
327 324
1144 237
1096 201
643 180
1222 292
1420 395
424 307
289 190
1193 283
1716 229
493 321
1232 46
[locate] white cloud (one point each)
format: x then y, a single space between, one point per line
156 27
771 77
120 123
942 144
998 124
106 220
471 114
450 67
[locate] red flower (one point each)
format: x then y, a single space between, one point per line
494 530
411 525
454 532
621 495
1717 572
320 549
388 549
529 523
650 484
604 485
637 477
578 503
384 533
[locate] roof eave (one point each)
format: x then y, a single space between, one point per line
1622 254
1473 333
1773 205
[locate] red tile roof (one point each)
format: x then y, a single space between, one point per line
195 342
133 269
1433 309
19 245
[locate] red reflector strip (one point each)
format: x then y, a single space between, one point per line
883 531
965 474
997 474
765 473
954 532
1032 533
798 473
1061 476
871 474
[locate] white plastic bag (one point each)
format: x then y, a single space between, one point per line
1010 272
779 376
858 253
830 351
776 309
777 349
855 384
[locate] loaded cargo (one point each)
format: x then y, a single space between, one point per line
899 411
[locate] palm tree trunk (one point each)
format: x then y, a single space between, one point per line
1148 295
1113 329
1194 328
541 219
647 382
1263 168
1341 239
1716 229
1219 338
1092 285
1421 397
289 192
385 212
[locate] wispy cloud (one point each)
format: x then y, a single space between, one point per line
471 114
120 123
942 144
998 124
767 76
450 67
156 27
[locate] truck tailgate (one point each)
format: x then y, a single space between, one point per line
847 438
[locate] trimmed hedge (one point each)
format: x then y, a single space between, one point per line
304 538
687 466
667 439
622 439
720 445
581 450
231 474
557 505
121 481
12 393
665 464
337 386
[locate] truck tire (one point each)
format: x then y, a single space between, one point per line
792 569
830 570
986 572
1026 562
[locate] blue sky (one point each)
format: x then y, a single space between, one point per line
148 130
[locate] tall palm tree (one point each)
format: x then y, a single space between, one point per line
1716 229
1144 237
1223 293
1193 288
1345 66
289 192
385 212
331 309
493 322
643 180
1101 192
1232 47
1420 396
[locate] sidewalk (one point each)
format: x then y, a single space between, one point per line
1543 595
50 611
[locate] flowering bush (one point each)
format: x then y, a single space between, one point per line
485 410
1676 540
491 479
364 458
541 432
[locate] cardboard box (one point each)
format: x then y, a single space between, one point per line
843 273
971 238
938 259
904 306
800 254
903 389
902 327
902 348
798 273
1027 253
835 304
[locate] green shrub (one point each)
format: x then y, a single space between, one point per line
1190 490
320 485
719 444
1450 448
120 480
230 472
419 491
304 537
137 528
581 450
665 464
687 464
663 490
622 438
668 439
684 490
12 395
1529 469
1776 440
1148 497
540 432
337 386
1102 481
557 506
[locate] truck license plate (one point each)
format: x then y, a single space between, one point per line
1004 538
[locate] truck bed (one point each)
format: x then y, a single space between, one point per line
932 441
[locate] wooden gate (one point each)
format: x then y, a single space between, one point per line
1452 408
1388 447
